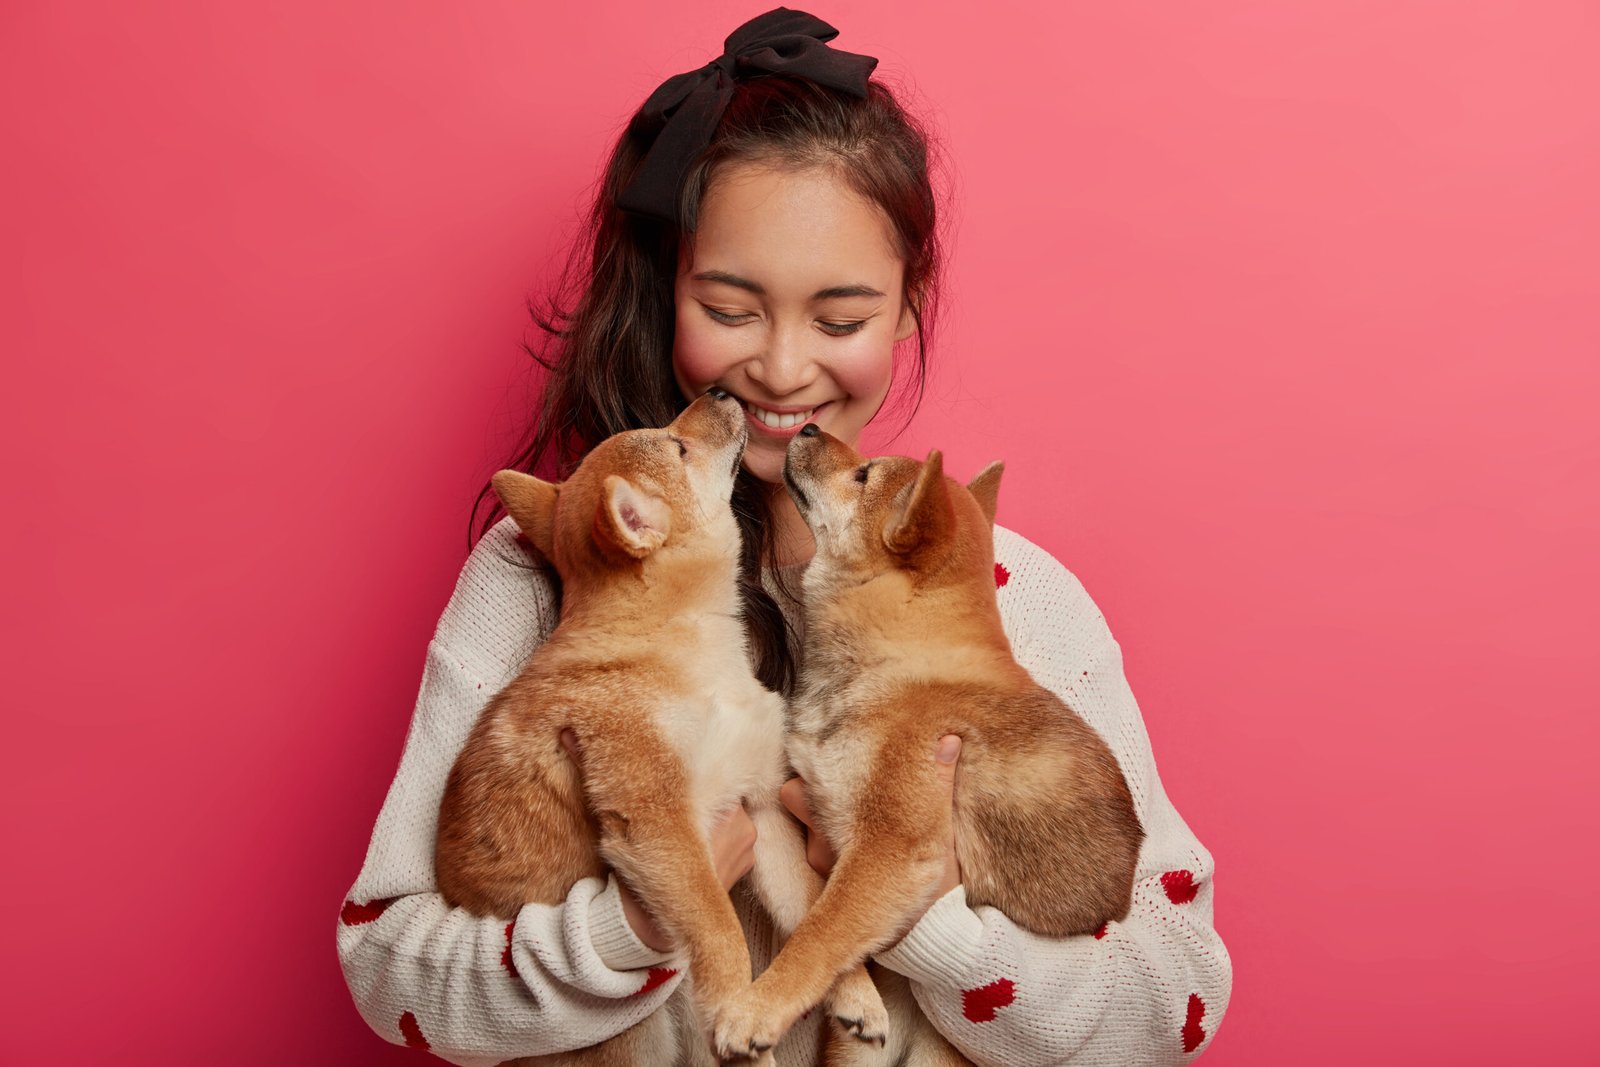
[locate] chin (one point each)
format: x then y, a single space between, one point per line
767 468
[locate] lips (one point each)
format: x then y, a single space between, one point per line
776 420
780 424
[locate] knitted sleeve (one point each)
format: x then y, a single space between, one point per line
1150 989
478 990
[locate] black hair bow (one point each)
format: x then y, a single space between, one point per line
681 116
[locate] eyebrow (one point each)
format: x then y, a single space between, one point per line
755 287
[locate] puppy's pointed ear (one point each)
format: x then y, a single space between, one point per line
531 503
986 487
926 513
631 519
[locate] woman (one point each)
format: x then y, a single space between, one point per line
767 224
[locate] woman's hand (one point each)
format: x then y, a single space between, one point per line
820 854
733 842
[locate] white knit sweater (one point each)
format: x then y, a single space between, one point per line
1151 989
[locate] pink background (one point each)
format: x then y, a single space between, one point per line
1284 317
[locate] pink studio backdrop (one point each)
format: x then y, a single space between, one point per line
1283 317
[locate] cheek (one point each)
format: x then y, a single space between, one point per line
698 359
865 374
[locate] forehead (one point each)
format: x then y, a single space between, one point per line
793 231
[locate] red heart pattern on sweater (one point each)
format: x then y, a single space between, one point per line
412 1032
1192 1034
1180 886
656 977
505 957
1098 934
1001 575
353 914
979 1005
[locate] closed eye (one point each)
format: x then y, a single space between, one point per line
683 448
832 329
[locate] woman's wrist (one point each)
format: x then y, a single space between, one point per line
644 928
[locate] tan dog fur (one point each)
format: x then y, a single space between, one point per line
903 645
648 667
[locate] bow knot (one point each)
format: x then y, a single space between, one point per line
681 116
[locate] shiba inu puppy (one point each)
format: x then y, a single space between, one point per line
649 670
904 644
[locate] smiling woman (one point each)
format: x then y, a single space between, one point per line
767 226
779 331
802 246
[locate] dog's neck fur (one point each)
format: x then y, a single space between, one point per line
899 618
673 587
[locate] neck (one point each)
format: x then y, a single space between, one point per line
790 534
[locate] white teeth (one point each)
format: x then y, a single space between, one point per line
777 421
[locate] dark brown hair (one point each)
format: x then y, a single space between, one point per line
608 323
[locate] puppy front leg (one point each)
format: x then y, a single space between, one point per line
784 882
638 791
787 887
664 859
884 874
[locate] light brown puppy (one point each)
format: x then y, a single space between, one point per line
648 667
904 644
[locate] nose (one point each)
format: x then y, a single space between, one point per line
809 430
718 393
785 366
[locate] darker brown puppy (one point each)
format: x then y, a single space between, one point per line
904 644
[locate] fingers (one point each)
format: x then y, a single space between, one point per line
793 796
819 854
736 824
733 845
945 756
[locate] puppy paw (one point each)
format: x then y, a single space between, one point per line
745 1031
856 1006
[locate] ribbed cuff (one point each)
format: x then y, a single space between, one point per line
942 947
614 940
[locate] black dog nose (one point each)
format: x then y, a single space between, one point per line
809 430
718 392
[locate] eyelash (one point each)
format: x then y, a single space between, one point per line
837 329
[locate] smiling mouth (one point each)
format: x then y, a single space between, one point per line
781 424
774 420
